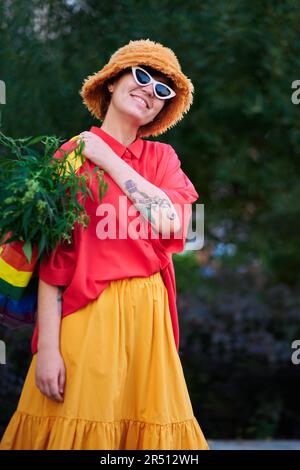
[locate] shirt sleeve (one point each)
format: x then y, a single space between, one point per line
172 180
57 268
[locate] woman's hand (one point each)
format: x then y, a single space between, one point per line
50 374
95 149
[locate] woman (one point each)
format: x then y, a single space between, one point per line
106 372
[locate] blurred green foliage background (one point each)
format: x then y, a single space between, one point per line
238 297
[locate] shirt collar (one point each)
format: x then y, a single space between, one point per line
119 148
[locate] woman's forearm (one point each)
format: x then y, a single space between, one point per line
154 205
49 315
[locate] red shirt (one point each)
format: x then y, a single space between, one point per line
87 265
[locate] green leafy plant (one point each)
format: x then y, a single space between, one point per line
42 197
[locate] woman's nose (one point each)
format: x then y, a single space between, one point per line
149 89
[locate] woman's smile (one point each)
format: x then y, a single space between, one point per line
139 100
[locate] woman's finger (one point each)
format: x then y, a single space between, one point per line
61 380
54 392
44 389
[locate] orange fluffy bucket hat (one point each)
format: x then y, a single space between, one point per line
149 53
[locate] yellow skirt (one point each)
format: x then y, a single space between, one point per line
125 387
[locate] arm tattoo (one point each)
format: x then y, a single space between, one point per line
145 204
59 300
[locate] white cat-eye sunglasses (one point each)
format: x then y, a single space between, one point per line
143 78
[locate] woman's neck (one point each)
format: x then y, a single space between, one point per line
121 131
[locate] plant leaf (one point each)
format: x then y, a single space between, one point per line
27 249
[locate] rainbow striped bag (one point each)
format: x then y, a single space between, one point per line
18 285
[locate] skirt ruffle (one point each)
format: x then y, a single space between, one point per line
60 433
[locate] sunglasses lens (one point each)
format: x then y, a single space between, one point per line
162 91
142 77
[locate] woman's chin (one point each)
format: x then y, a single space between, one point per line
137 118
